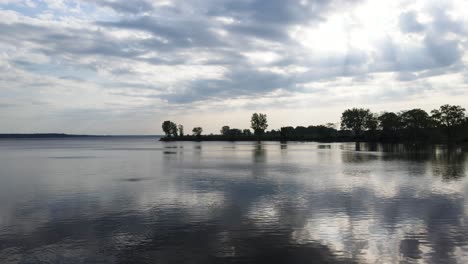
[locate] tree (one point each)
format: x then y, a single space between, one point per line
225 130
234 132
181 130
258 123
197 131
169 128
166 128
287 132
246 132
372 122
330 125
358 119
173 129
389 121
449 115
415 119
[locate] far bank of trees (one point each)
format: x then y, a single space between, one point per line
447 123
172 130
258 123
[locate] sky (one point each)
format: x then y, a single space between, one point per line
123 67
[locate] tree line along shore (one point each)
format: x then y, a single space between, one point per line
446 124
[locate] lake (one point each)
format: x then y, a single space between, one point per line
138 200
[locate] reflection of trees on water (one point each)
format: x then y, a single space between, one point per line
410 248
198 147
449 162
169 230
356 153
259 153
357 146
446 161
284 145
197 152
353 157
407 152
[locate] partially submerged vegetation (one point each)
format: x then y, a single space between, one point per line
448 123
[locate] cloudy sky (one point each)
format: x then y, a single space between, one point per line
123 67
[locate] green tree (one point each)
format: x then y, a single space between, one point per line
225 130
246 132
389 121
169 128
181 130
259 123
358 119
197 131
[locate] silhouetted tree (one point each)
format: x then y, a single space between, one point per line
197 131
415 119
166 128
372 122
448 117
273 133
301 130
415 123
358 119
225 130
181 130
234 132
287 132
169 128
330 125
389 121
258 123
246 132
357 124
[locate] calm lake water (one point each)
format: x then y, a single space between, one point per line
138 200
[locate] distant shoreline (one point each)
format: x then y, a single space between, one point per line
62 135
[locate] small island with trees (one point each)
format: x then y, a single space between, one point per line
446 124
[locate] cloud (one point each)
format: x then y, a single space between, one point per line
187 52
409 23
444 52
131 7
6 105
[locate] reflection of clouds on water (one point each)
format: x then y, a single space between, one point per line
264 212
256 202
380 233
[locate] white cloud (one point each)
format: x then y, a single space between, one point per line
200 55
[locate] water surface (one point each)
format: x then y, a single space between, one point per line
143 201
